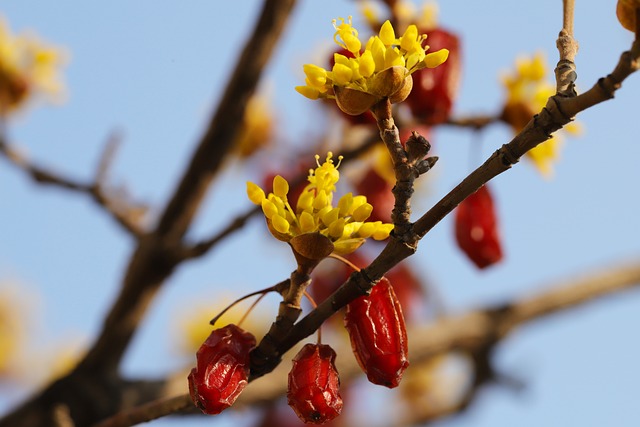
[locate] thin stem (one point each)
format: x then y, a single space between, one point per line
314 305
250 309
345 261
568 7
261 292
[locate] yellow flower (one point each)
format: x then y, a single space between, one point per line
344 225
12 331
382 70
28 67
257 127
527 93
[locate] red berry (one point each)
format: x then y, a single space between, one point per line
434 89
408 289
222 369
476 229
314 384
378 335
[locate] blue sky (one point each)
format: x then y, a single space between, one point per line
154 70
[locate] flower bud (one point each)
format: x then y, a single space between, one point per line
353 101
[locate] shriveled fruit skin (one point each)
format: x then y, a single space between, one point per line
314 384
476 229
378 335
222 369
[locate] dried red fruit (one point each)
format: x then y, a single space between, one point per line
222 369
314 384
434 89
378 335
408 288
476 228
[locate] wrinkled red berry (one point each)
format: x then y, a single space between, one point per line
476 229
222 369
314 384
378 335
434 89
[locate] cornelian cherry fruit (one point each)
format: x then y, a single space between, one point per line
378 335
314 384
222 369
476 228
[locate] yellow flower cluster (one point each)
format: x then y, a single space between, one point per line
345 225
527 93
381 70
27 67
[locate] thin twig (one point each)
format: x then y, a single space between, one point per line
124 213
201 248
150 411
158 253
473 122
223 131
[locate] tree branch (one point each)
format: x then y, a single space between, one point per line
127 215
473 333
159 252
558 112
224 128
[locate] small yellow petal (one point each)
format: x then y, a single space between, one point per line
280 224
280 187
367 64
367 229
344 204
432 60
320 201
308 92
255 193
330 216
357 202
352 42
305 201
409 38
336 228
362 213
342 74
307 223
317 76
269 208
393 57
387 34
378 50
382 231
347 246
